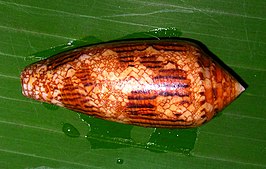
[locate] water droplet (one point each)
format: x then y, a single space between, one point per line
50 106
28 58
70 130
150 144
70 43
119 161
32 58
166 32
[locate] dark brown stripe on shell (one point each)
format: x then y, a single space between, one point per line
125 56
69 94
173 93
141 113
53 63
139 105
169 77
67 89
129 48
173 85
170 80
142 92
167 47
129 58
153 66
69 99
152 57
160 122
126 60
86 84
141 97
173 72
151 61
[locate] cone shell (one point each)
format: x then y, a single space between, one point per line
163 83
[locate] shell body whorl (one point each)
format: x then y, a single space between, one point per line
171 84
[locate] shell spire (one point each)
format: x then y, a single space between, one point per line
165 83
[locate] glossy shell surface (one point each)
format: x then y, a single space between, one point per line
163 83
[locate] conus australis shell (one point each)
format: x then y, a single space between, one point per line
151 83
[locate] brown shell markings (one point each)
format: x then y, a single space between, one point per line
163 83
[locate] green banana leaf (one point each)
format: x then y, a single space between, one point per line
42 136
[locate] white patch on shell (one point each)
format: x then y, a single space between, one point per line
29 86
54 101
70 72
25 92
44 96
109 52
41 68
84 57
56 93
30 83
25 86
170 66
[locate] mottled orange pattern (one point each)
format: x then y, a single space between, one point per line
163 83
